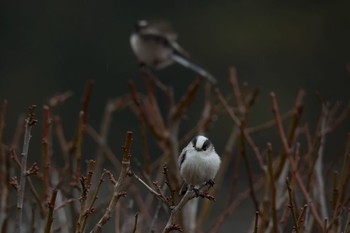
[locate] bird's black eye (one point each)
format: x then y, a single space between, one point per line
194 142
206 144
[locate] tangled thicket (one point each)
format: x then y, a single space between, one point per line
289 189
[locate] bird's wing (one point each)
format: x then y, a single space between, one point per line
185 62
161 29
183 189
181 158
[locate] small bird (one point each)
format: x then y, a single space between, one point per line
154 44
198 162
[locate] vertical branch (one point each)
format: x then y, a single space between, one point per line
292 206
86 99
120 185
46 150
78 142
301 218
33 222
249 171
320 188
231 197
33 170
288 151
145 148
3 172
146 112
298 109
342 183
62 140
325 226
135 223
256 222
335 190
85 211
347 224
30 121
273 188
235 87
83 114
104 130
51 206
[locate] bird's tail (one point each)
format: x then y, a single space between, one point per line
183 61
190 215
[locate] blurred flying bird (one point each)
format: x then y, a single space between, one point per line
154 44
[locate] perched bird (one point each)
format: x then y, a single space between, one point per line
198 162
154 44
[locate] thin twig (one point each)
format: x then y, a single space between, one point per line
236 90
256 222
84 210
59 98
301 217
168 183
241 125
273 188
4 171
30 182
291 206
288 151
190 194
120 185
289 137
29 123
342 186
61 139
135 223
335 190
46 151
51 207
325 228
231 197
148 187
86 99
347 225
101 141
78 141
249 172
148 113
320 184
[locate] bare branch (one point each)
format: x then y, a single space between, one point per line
190 194
51 206
119 186
30 121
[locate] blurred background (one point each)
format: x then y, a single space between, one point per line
281 46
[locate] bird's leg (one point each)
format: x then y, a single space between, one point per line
195 190
210 183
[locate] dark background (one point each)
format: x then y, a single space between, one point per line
281 46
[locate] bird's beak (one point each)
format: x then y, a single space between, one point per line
197 149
